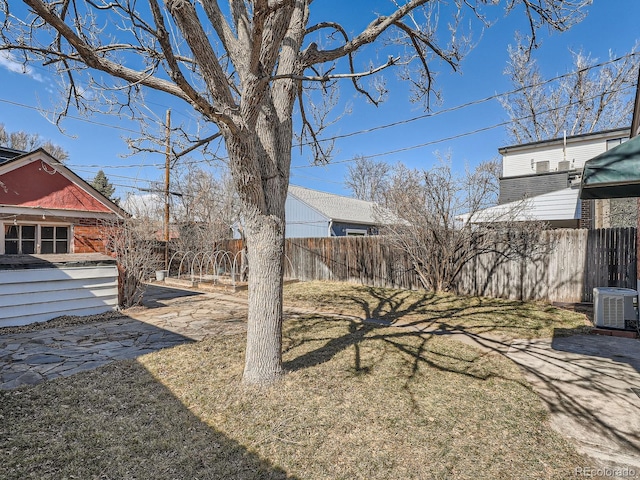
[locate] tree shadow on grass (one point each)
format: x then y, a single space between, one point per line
573 374
409 342
357 333
381 308
445 313
116 422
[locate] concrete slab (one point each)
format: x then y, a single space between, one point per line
587 383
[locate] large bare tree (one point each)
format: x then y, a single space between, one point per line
593 96
242 67
367 178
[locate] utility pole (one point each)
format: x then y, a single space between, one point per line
166 189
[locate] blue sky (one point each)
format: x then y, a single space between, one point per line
97 143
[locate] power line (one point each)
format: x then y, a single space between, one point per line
474 102
414 147
459 135
421 145
364 131
73 117
82 165
384 126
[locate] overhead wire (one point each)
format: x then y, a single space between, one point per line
82 167
399 150
383 126
450 138
475 102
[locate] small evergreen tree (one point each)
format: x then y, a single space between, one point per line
102 184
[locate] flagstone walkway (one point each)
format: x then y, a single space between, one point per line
171 317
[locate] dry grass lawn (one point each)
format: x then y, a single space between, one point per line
476 315
359 402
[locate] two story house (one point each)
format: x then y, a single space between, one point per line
547 174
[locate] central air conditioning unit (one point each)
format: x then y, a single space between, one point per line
613 307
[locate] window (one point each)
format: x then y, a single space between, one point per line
30 239
54 239
11 239
355 232
20 239
615 142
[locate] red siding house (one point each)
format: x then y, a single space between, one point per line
52 246
45 208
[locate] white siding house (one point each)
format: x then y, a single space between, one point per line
311 213
559 154
547 176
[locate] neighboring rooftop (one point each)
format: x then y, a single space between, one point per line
7 154
560 205
337 207
604 134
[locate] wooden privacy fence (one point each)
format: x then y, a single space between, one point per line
366 260
565 268
568 266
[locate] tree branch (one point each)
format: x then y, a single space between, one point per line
187 20
336 76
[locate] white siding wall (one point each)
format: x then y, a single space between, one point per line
304 221
38 295
578 152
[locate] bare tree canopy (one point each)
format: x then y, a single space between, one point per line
243 67
206 209
367 179
588 100
30 141
437 230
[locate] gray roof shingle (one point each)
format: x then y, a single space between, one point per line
337 207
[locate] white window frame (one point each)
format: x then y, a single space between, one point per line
38 225
356 232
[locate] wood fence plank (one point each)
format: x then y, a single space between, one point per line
574 262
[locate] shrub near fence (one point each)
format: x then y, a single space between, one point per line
567 270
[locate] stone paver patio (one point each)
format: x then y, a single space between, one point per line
172 317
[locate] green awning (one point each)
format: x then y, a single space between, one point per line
613 174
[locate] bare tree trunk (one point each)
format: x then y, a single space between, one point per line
260 165
265 246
